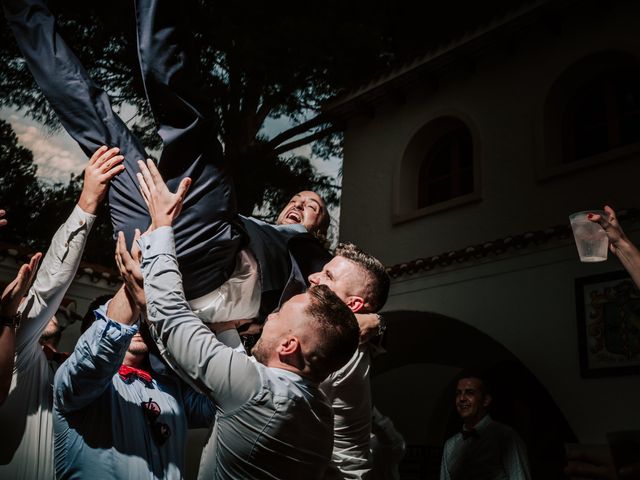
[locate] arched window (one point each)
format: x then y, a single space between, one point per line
604 114
447 169
439 169
592 113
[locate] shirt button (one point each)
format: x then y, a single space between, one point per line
66 244
81 222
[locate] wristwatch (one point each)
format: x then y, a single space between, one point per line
382 325
12 321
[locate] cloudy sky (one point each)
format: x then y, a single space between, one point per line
57 154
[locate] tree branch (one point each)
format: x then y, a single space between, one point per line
298 129
308 139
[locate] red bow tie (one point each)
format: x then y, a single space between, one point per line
127 373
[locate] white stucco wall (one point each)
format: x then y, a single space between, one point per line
503 100
526 300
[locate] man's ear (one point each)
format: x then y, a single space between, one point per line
288 346
487 400
355 303
290 352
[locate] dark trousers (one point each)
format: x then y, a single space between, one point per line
207 234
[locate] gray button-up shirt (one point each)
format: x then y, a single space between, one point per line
270 423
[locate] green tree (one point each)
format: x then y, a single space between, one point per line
36 209
19 186
259 60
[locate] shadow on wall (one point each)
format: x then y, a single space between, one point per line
520 400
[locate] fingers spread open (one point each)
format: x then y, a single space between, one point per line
146 175
97 154
155 173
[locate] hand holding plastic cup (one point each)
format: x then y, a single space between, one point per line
591 239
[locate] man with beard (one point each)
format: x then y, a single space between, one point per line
272 420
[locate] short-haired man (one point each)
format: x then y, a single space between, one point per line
27 448
361 281
271 418
484 449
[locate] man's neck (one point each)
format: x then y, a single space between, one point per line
289 368
472 422
134 360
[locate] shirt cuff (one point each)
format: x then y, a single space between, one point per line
80 218
158 242
113 326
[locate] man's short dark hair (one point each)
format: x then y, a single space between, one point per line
322 231
478 375
90 317
379 280
338 328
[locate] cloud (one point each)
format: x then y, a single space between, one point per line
56 154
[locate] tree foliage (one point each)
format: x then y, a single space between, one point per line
259 60
36 209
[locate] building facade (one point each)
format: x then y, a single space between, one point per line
460 171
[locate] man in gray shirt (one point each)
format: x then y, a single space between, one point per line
272 420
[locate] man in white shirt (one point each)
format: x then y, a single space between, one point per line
25 416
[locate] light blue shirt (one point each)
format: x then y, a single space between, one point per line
270 423
100 426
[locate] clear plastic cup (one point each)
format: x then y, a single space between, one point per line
591 239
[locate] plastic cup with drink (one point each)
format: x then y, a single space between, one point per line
591 239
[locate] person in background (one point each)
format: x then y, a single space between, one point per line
483 449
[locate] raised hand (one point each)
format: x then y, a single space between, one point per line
17 289
103 165
164 206
619 244
611 227
129 266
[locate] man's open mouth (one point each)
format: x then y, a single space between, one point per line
294 216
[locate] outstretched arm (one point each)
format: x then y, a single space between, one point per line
8 310
193 351
61 261
87 373
619 244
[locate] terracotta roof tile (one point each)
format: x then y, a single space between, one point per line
494 248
